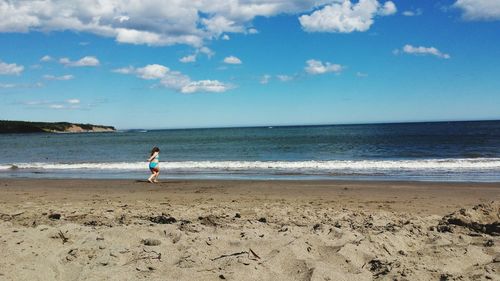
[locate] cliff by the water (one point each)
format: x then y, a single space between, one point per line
10 127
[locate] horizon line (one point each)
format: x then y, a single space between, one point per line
310 125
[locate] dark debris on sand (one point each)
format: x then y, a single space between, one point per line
482 218
54 216
163 219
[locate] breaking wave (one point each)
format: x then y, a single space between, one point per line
294 167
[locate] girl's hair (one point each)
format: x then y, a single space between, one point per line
155 149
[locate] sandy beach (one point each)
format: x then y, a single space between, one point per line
248 230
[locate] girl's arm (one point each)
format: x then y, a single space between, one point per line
152 156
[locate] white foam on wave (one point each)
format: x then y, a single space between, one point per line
465 164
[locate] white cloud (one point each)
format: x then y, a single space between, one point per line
150 22
192 58
207 51
252 31
152 71
122 19
20 86
204 86
10 68
56 106
85 61
175 80
67 104
73 101
318 67
346 17
479 9
124 70
361 74
59 78
265 79
46 58
284 78
410 13
422 51
220 24
232 60
389 8
225 37
187 59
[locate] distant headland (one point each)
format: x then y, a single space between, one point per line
12 127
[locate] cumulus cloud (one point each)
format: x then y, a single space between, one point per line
225 37
410 13
479 9
152 71
187 59
346 17
150 22
220 24
10 68
59 78
422 51
174 79
318 67
204 86
389 8
192 58
85 61
207 51
46 58
232 60
252 31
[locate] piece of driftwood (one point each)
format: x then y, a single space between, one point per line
248 253
254 254
63 237
8 217
230 255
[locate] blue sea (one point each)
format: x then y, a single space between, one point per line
435 151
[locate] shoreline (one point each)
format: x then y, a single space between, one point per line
322 181
244 179
248 230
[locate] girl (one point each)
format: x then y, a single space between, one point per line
154 165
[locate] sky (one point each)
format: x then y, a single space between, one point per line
189 64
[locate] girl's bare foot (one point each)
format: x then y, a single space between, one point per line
150 181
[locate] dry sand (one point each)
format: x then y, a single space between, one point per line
248 230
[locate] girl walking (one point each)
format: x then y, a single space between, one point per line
154 165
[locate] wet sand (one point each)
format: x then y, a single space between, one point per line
248 230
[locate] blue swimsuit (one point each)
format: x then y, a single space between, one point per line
153 165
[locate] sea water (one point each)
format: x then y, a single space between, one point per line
435 151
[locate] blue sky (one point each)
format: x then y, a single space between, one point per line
153 64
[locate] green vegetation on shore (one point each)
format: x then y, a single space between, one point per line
58 127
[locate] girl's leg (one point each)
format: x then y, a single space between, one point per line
156 175
150 179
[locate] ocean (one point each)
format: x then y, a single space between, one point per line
434 151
